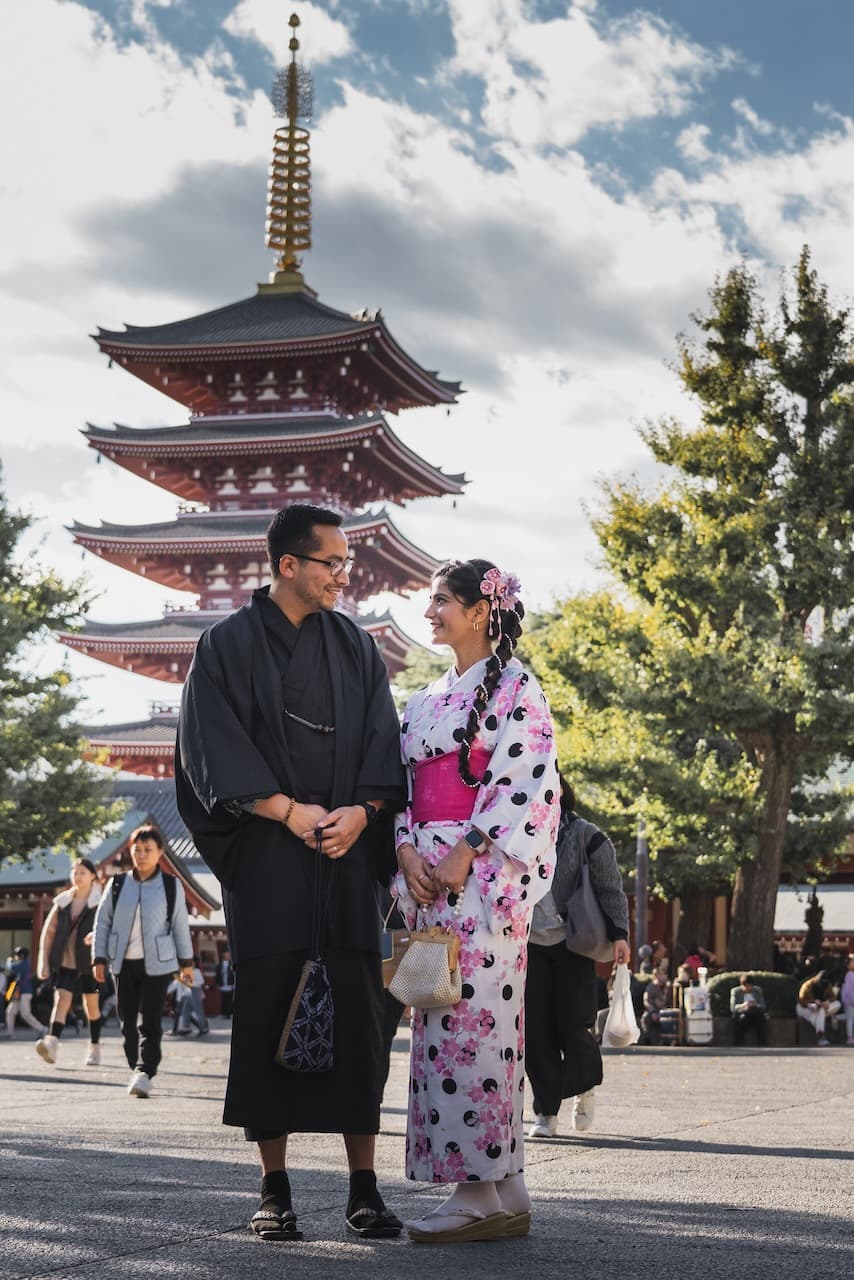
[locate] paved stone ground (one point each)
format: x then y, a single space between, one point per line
703 1163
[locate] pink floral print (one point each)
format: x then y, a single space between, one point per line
467 1065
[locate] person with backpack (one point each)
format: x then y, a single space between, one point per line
141 928
65 957
19 993
562 1058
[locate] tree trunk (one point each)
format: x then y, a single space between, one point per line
754 899
695 921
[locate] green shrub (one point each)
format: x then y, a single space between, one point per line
779 989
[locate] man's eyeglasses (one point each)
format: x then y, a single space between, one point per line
334 564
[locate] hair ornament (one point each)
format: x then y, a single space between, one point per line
502 591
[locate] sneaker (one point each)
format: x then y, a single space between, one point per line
543 1127
140 1085
584 1111
48 1048
823 1042
93 1057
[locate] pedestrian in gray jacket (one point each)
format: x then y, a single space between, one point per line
141 928
562 1059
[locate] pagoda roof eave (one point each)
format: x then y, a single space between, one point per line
241 533
150 633
219 438
254 317
269 325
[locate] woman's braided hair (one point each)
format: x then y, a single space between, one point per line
464 578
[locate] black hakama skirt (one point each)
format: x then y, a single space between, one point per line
266 1099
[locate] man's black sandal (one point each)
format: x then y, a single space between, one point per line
373 1224
274 1224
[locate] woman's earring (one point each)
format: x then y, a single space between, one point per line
476 625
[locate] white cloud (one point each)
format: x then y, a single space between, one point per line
781 199
322 38
691 142
549 82
556 300
743 108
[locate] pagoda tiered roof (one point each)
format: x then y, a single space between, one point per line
138 746
162 648
348 460
276 349
174 552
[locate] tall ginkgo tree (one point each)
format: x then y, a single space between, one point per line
730 638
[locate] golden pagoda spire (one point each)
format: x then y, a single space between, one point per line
289 207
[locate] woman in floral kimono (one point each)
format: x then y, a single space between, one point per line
476 852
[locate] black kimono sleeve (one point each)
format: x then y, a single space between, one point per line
381 775
216 760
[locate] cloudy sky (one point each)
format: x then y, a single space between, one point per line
538 193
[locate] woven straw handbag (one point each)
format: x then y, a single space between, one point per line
428 976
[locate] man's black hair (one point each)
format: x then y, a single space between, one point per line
293 529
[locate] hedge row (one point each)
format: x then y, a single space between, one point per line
779 989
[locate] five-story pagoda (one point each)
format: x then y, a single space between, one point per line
288 401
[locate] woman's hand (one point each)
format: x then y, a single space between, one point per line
416 873
341 829
622 951
450 874
98 974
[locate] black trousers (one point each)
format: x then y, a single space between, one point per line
140 998
748 1018
561 1057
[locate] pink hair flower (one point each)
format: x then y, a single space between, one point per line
501 588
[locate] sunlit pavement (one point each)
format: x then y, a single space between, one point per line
702 1163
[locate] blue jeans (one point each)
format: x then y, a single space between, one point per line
192 1010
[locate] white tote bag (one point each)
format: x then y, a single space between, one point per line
621 1025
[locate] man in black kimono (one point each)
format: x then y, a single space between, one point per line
287 726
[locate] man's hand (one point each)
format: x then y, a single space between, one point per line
622 951
185 975
304 818
416 873
450 874
341 829
98 973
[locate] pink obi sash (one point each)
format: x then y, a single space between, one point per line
439 793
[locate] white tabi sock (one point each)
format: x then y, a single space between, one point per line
513 1194
480 1198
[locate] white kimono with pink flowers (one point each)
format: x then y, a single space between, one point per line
467 1074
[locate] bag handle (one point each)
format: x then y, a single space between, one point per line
319 908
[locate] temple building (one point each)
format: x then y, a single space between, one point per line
288 400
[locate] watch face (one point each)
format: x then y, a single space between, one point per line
474 840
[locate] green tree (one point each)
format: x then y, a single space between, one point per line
732 662
48 794
422 668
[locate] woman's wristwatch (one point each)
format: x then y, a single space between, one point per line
475 840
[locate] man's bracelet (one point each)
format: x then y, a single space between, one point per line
289 812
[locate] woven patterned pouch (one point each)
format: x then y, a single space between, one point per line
306 1040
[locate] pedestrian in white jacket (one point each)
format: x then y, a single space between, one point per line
142 929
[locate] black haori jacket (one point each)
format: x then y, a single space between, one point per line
232 747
